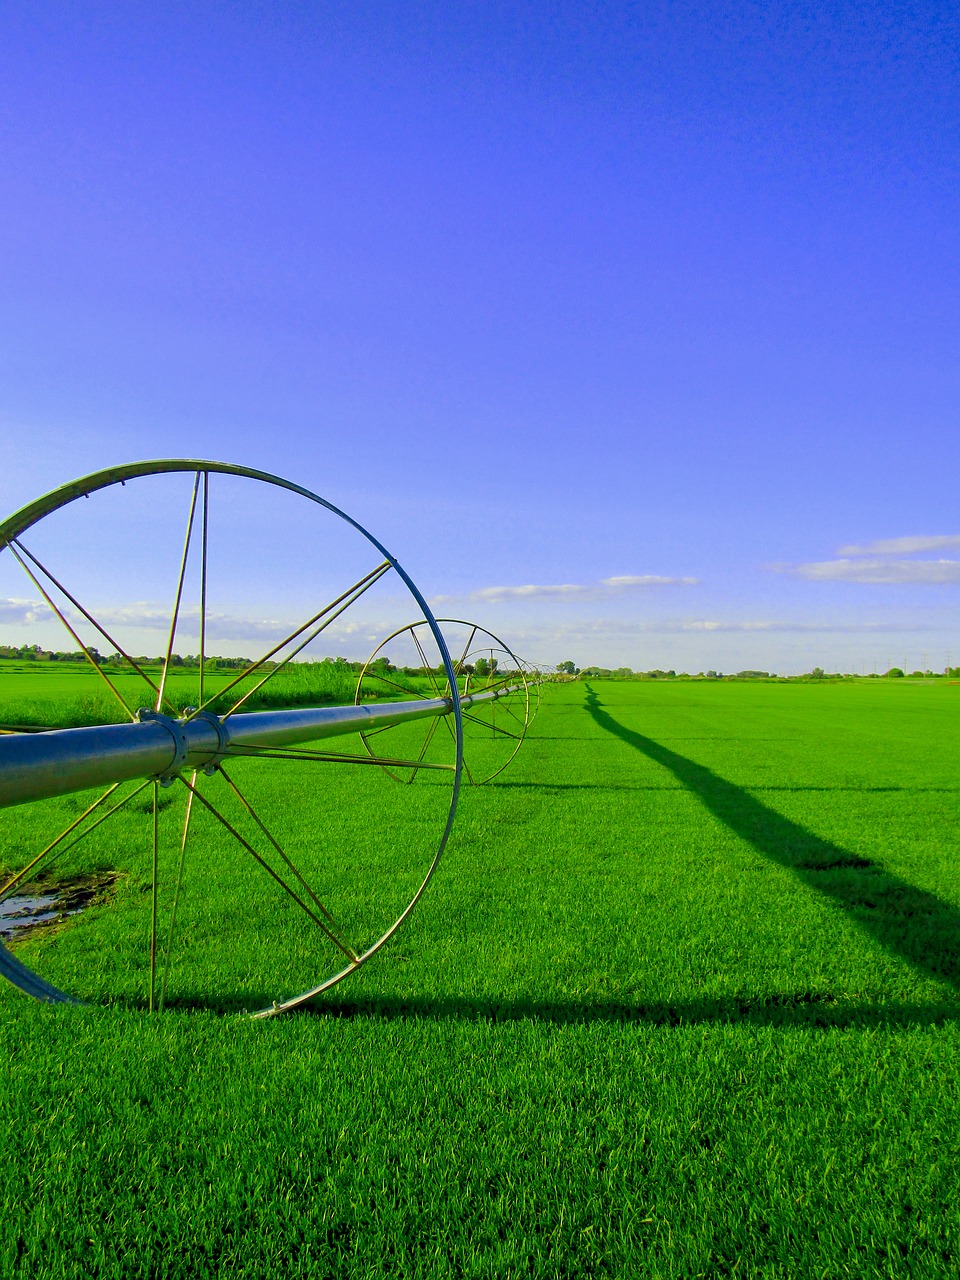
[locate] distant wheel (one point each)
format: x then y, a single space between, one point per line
268 882
534 680
494 726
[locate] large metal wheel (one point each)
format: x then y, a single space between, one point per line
269 877
493 729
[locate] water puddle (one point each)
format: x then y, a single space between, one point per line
22 912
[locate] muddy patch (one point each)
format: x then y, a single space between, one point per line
50 905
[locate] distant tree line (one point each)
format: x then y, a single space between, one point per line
483 668
34 653
569 669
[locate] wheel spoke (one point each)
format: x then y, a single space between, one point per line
372 733
176 607
176 893
344 601
86 613
249 808
429 670
303 644
153 897
423 750
466 649
341 946
453 736
505 706
203 580
499 684
466 770
89 656
393 684
292 753
484 724
23 875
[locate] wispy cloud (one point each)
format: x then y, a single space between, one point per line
22 611
883 563
146 617
903 546
606 587
218 625
150 622
706 641
679 626
647 580
788 626
880 570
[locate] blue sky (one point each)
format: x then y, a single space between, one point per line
632 330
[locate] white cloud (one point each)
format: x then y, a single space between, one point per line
13 611
903 546
883 563
647 580
693 644
146 617
529 592
606 587
880 570
618 631
218 625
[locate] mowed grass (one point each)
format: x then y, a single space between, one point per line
72 694
682 999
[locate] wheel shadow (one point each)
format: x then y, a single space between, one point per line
911 923
811 1010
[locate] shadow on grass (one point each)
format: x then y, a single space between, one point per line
802 1009
913 924
626 786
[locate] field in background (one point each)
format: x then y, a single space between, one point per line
683 998
70 694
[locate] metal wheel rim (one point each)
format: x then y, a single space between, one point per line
475 629
30 515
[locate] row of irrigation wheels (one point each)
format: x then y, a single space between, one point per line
266 875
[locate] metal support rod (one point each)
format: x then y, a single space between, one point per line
36 766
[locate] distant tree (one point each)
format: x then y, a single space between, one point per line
817 673
895 673
568 668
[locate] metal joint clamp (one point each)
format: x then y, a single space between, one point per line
223 741
176 732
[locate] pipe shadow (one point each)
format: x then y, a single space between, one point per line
811 1010
910 922
625 786
496 785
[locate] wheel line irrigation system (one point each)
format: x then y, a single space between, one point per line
161 744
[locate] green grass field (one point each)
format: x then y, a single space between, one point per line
681 1000
70 694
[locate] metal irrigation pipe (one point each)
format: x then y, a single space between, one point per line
37 766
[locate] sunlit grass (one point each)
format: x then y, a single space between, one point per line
682 999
